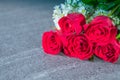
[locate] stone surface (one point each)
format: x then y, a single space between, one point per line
22 23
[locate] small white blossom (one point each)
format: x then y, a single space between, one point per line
57 14
102 12
69 1
72 1
82 10
115 19
60 11
66 9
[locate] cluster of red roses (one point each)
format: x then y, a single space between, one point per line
80 40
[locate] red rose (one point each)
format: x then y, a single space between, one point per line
72 23
51 42
108 52
101 29
77 46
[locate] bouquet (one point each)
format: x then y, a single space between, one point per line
84 28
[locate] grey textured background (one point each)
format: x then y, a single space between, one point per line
22 23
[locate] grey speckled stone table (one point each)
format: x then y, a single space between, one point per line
22 23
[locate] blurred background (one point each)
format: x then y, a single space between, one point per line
22 23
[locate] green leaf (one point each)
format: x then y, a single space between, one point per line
105 1
90 2
103 6
117 2
115 9
106 6
118 11
92 58
118 36
111 5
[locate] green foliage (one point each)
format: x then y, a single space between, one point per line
90 2
118 12
106 6
117 2
105 1
118 36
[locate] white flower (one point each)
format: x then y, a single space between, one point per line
116 20
102 12
72 1
56 23
82 10
60 11
66 9
57 14
69 1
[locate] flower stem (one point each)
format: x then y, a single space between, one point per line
91 59
112 12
